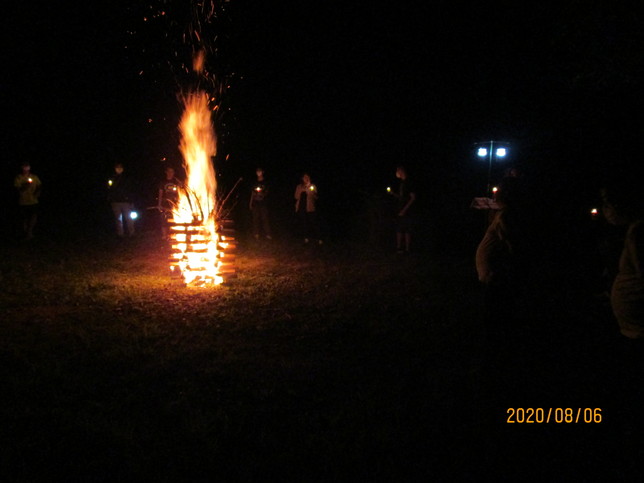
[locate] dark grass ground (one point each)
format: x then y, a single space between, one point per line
343 362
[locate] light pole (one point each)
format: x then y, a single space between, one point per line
483 151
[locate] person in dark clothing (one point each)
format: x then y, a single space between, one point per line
258 206
168 198
29 187
120 197
306 194
406 196
623 206
503 267
502 255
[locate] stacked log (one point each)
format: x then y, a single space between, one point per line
195 238
227 248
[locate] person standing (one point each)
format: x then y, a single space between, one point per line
406 196
168 198
29 188
503 266
623 205
258 206
306 194
120 198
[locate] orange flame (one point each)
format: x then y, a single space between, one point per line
194 236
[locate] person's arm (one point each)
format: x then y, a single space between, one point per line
21 183
37 187
487 253
412 198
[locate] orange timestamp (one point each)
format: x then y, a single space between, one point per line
553 415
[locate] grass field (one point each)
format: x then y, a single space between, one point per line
340 362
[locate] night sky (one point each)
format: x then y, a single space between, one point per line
344 90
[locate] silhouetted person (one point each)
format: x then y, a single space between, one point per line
29 188
258 206
502 267
168 198
406 196
610 243
120 197
623 205
306 194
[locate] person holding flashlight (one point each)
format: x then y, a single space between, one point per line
258 206
29 188
120 198
306 194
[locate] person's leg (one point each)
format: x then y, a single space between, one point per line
24 218
127 213
31 223
256 222
118 217
314 228
265 223
304 225
164 228
165 225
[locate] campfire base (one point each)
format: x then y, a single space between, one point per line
195 239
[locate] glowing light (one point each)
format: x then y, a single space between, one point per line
110 182
495 189
482 152
501 152
134 215
594 212
30 180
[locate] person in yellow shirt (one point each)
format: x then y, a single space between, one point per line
29 187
